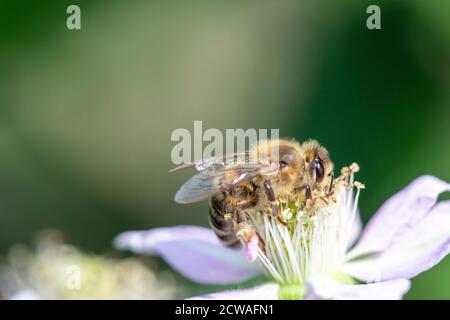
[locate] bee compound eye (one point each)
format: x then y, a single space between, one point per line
319 169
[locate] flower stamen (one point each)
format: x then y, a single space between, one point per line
310 236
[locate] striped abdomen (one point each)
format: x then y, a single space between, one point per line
232 203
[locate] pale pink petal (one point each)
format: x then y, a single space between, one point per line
319 288
267 291
427 243
193 251
251 248
399 214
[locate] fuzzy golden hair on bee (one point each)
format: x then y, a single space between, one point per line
272 150
240 185
312 148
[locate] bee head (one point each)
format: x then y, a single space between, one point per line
317 162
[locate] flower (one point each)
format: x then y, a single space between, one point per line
50 272
311 253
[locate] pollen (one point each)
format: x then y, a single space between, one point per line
245 232
286 215
345 171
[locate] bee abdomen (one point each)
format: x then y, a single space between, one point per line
223 228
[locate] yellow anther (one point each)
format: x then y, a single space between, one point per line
359 185
354 167
244 233
286 214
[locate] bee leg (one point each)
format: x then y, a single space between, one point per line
240 216
308 194
241 219
271 197
273 202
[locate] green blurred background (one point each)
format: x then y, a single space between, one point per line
86 115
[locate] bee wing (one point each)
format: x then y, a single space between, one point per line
206 184
216 162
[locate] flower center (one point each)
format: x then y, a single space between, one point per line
291 292
309 238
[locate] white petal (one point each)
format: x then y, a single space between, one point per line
193 251
399 214
267 291
320 288
414 252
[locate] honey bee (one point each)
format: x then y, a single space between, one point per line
241 184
